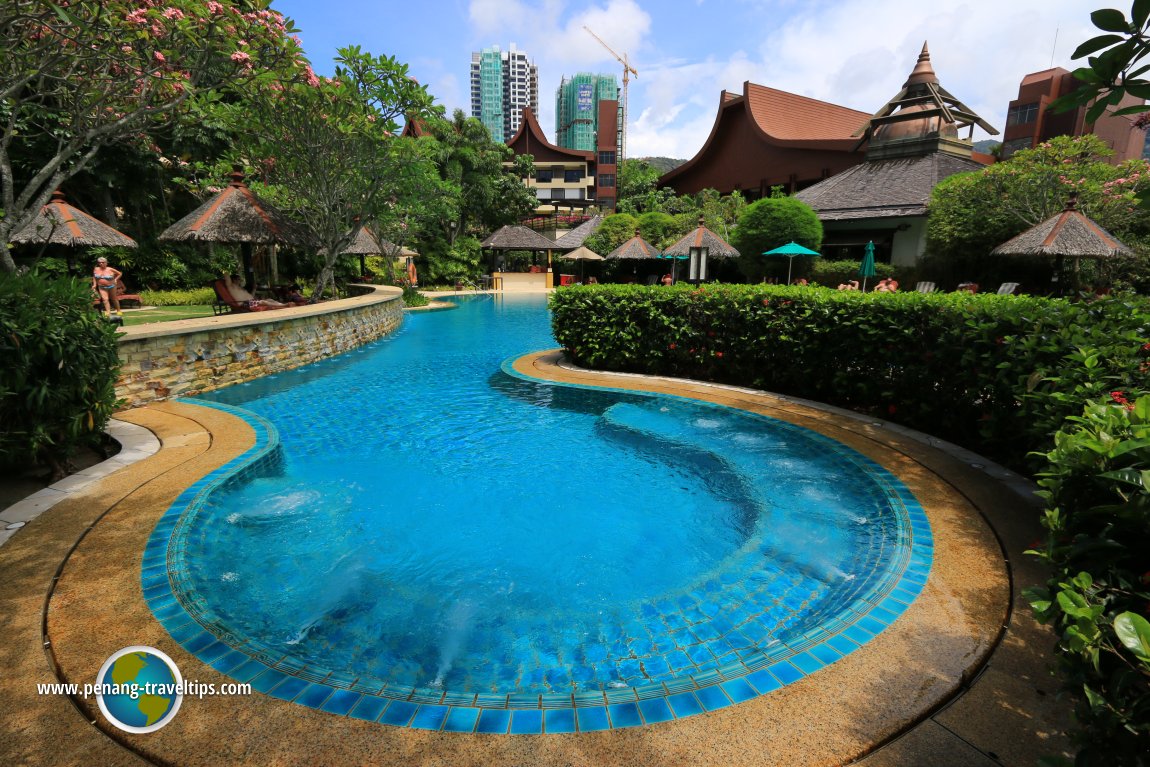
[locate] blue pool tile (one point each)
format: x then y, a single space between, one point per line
289 688
429 716
494 720
398 713
369 708
341 702
560 720
461 719
526 722
871 625
592 719
314 696
228 661
685 704
199 642
825 653
858 635
655 710
625 715
785 672
763 681
842 644
886 616
213 651
267 680
712 697
738 690
247 671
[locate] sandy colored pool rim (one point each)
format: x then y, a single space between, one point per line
831 717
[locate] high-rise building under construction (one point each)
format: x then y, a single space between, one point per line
577 111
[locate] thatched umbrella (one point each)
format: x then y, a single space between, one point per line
59 223
391 250
634 248
704 242
237 216
1069 234
515 237
363 245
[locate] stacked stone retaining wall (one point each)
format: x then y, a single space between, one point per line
168 359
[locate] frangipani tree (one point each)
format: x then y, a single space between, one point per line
77 76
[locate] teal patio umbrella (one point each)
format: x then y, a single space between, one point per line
790 250
866 268
675 259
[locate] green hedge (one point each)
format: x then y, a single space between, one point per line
57 383
1097 489
998 374
191 297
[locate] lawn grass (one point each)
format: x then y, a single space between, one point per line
167 314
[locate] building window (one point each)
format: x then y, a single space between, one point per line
606 158
606 180
571 176
543 175
1023 114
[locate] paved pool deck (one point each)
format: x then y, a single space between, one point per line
961 678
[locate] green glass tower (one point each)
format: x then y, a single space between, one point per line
577 109
502 84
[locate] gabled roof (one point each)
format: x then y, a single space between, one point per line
884 188
783 119
576 236
530 139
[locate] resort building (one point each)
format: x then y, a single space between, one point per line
571 179
577 102
766 137
1029 122
503 83
913 143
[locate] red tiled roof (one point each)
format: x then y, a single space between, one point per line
786 116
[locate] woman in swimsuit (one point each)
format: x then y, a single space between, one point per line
104 281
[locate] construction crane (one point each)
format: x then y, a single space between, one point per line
628 70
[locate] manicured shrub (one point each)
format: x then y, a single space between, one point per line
768 223
194 297
57 383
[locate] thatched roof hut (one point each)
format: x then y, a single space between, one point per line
59 223
702 237
578 235
515 237
634 248
1070 234
237 215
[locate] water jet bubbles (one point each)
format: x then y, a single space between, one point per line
229 577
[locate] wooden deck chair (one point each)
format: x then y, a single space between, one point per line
225 304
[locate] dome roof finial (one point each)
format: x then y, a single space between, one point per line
923 72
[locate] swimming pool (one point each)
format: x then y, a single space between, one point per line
433 541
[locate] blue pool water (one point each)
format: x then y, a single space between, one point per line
433 524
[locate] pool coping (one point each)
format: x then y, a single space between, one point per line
928 716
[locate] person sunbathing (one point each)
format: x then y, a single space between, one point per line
242 296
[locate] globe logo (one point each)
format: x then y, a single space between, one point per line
139 689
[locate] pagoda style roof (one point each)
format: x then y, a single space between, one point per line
923 117
530 139
884 188
635 248
515 237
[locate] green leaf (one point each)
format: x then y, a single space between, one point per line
1134 632
1110 20
1139 13
1095 44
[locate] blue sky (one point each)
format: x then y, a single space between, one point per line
856 53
